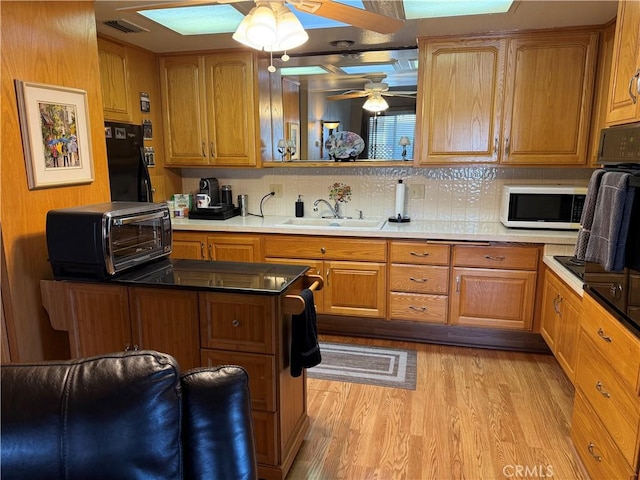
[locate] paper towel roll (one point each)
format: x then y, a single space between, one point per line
399 211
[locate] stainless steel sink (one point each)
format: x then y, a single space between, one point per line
342 223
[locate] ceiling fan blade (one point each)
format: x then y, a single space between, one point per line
176 4
396 93
347 96
349 15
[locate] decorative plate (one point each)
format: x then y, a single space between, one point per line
345 145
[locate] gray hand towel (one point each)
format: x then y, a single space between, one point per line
607 241
586 220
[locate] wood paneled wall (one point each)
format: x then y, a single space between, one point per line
53 43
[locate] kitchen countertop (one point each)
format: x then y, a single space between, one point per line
213 276
416 229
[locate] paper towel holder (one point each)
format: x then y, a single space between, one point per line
400 217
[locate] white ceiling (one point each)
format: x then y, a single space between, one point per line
526 14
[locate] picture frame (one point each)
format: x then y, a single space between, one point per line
56 137
293 138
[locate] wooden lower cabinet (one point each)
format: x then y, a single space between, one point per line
419 281
493 286
605 429
198 329
560 321
103 318
221 247
248 330
354 270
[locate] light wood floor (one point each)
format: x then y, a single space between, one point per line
475 414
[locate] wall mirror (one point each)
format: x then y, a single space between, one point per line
354 106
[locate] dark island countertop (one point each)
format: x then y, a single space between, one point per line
214 276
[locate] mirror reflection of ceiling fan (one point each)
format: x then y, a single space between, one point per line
276 15
375 90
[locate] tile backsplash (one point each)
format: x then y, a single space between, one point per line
449 193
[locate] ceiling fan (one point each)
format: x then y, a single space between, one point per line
330 9
373 88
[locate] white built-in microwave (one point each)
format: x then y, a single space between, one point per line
542 206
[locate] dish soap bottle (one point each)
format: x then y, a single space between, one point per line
299 207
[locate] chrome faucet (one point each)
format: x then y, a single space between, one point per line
335 210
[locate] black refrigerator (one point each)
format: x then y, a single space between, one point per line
128 174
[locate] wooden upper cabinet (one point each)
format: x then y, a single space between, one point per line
114 79
461 85
624 87
184 112
518 99
548 98
209 111
231 109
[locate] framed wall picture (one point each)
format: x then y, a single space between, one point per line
55 134
293 140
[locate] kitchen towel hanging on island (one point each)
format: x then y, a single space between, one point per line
607 241
305 351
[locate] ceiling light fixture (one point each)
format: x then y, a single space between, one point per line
375 103
272 27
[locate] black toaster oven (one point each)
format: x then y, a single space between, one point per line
102 240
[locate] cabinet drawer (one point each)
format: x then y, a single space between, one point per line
615 403
265 434
596 448
419 252
419 279
614 342
243 323
511 258
261 370
321 248
418 307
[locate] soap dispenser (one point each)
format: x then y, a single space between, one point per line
299 207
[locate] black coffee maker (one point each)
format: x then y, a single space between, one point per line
210 187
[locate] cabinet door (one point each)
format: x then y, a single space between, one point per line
492 298
570 309
231 109
626 63
549 317
114 80
355 288
462 82
184 110
166 321
100 321
188 245
234 248
548 98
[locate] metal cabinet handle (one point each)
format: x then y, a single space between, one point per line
634 98
416 254
211 150
495 146
606 338
202 251
235 323
204 152
418 309
136 347
497 258
616 290
328 273
419 280
457 283
560 300
604 393
555 304
506 146
127 347
323 250
592 452
210 251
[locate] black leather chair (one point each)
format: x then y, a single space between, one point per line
125 416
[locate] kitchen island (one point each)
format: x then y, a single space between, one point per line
204 314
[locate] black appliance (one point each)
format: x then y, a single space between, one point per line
128 174
102 240
619 292
211 187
